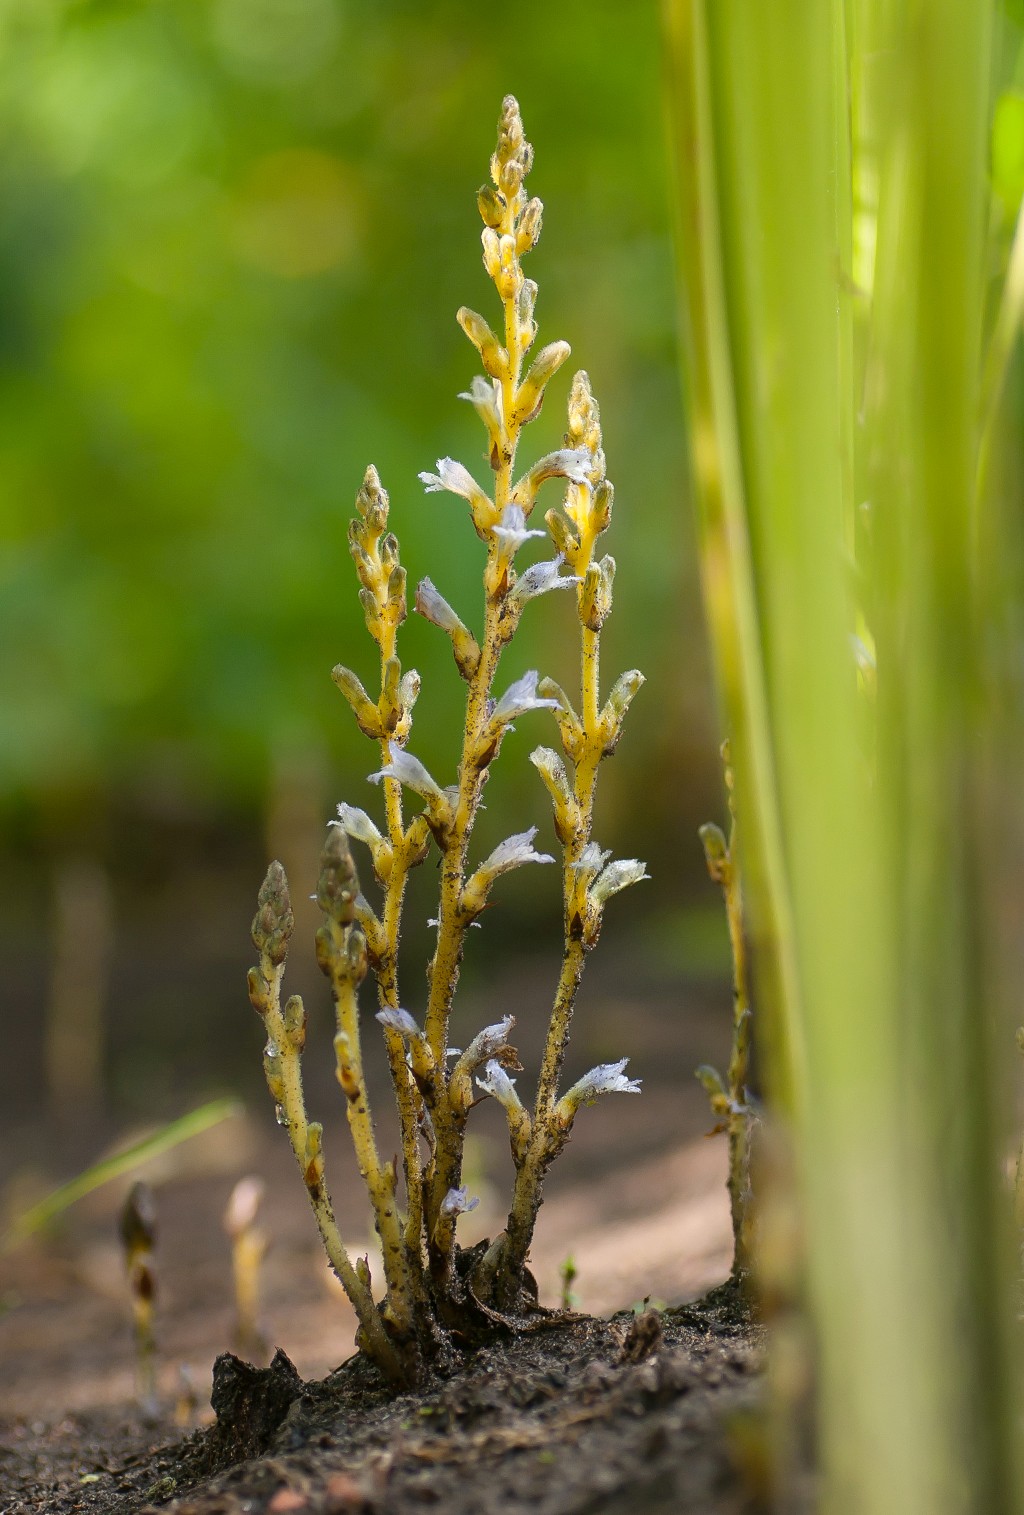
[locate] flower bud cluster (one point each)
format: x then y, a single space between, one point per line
587 507
383 597
274 921
374 551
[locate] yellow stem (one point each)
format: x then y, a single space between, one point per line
449 1124
293 1106
379 1181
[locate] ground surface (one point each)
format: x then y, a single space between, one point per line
651 1412
638 1200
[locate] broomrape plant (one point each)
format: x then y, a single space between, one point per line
434 1291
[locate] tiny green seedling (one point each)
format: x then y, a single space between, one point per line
730 1097
434 1292
568 1272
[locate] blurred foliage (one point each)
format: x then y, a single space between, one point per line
234 237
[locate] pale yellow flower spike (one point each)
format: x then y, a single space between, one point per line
428 1295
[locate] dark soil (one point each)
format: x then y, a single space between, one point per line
657 1412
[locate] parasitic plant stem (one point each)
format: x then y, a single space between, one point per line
429 1299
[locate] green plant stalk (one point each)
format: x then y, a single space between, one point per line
875 802
925 445
726 561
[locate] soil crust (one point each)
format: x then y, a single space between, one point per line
653 1412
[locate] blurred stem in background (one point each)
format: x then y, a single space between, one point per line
82 944
832 196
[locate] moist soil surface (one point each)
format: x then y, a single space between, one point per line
657 1411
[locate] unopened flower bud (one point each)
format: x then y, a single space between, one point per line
569 724
490 205
595 600
552 770
492 355
372 497
274 921
371 610
584 429
716 852
510 179
363 708
562 535
528 230
492 254
313 1165
601 509
614 713
530 394
338 885
526 304
294 1017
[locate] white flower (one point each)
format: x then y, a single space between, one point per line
485 397
572 463
486 1043
538 579
607 1078
520 697
457 1202
512 532
496 1082
358 824
590 862
457 479
410 772
513 852
433 607
616 876
400 1021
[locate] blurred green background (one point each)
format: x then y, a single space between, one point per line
234 234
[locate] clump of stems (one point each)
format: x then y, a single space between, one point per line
432 1290
730 1097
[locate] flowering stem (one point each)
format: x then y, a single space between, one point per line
284 1077
547 1139
444 970
386 973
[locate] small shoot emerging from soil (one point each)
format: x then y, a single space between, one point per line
138 1235
730 1097
248 1245
569 1273
435 1294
